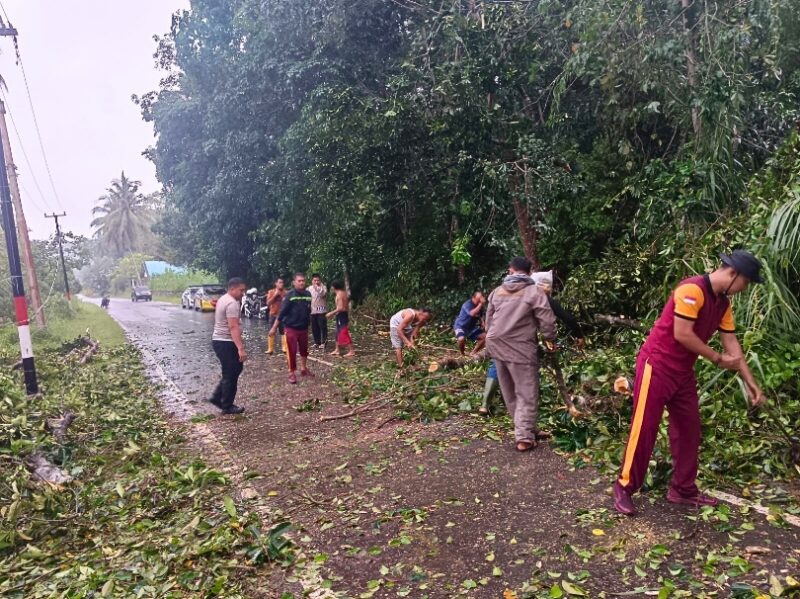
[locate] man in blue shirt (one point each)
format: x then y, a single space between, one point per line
468 323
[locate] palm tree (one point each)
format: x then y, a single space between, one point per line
123 218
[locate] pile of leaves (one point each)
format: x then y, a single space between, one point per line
436 384
139 516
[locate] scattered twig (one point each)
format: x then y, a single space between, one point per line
387 421
555 367
94 347
447 349
367 407
308 499
60 425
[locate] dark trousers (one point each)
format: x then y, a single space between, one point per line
228 355
656 388
319 328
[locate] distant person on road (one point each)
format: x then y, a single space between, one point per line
295 316
404 328
344 343
274 300
229 347
517 311
319 307
468 323
697 308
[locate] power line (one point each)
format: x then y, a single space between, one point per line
33 113
29 196
25 155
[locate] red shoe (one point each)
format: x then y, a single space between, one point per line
622 501
674 497
306 372
293 379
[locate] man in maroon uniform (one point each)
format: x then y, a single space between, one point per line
697 308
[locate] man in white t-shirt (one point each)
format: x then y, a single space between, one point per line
319 310
229 347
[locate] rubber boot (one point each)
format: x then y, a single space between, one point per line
284 345
489 390
271 344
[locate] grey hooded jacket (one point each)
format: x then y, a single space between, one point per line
517 311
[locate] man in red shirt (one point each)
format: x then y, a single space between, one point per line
698 307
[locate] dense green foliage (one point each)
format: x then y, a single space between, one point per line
77 252
416 145
172 283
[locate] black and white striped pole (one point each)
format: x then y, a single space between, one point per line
17 286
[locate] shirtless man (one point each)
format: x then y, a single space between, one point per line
343 339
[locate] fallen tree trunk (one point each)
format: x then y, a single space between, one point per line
94 347
454 363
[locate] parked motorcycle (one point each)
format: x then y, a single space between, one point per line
251 303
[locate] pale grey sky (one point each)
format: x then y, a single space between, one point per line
83 59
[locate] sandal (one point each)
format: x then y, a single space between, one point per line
483 411
525 445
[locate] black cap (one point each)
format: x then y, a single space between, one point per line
744 263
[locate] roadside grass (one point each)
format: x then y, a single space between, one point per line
139 514
66 322
168 298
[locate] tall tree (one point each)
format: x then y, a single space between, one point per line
124 218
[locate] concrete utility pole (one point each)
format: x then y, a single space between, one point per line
17 286
14 266
22 225
55 217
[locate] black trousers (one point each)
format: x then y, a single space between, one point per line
228 355
319 328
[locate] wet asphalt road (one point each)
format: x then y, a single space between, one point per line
179 342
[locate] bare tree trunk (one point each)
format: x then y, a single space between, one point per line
690 28
527 233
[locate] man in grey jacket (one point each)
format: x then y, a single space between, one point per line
517 311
